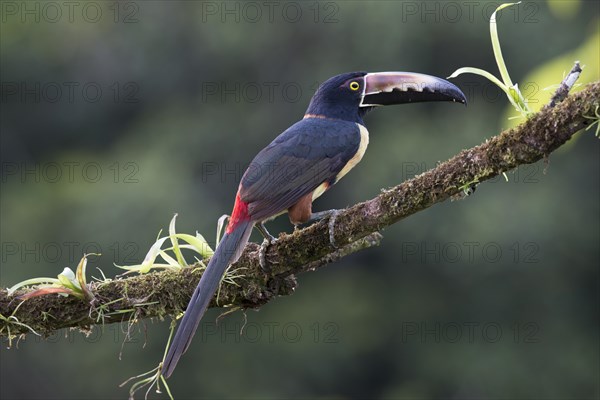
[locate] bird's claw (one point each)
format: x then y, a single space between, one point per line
331 225
262 254
332 215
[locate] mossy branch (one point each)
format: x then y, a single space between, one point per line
166 293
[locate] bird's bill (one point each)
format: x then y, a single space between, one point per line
385 88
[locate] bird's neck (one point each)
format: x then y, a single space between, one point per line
334 111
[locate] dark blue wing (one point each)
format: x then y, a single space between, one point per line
310 152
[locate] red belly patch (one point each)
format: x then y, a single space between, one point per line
240 213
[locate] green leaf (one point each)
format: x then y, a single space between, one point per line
170 260
67 279
50 290
31 282
198 242
150 258
175 242
81 276
511 90
496 45
481 72
220 224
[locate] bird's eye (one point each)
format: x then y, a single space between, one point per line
354 85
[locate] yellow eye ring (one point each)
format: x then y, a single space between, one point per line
354 85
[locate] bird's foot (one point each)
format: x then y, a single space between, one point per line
262 254
332 215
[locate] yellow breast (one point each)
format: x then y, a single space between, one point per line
362 147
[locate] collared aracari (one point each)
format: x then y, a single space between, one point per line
300 165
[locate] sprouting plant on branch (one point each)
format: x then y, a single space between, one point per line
506 84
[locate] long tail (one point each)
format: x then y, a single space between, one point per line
228 251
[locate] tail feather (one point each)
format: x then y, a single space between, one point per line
228 251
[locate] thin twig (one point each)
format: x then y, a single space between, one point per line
566 85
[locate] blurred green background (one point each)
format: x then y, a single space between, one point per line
115 116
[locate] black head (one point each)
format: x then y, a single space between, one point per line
349 96
339 97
